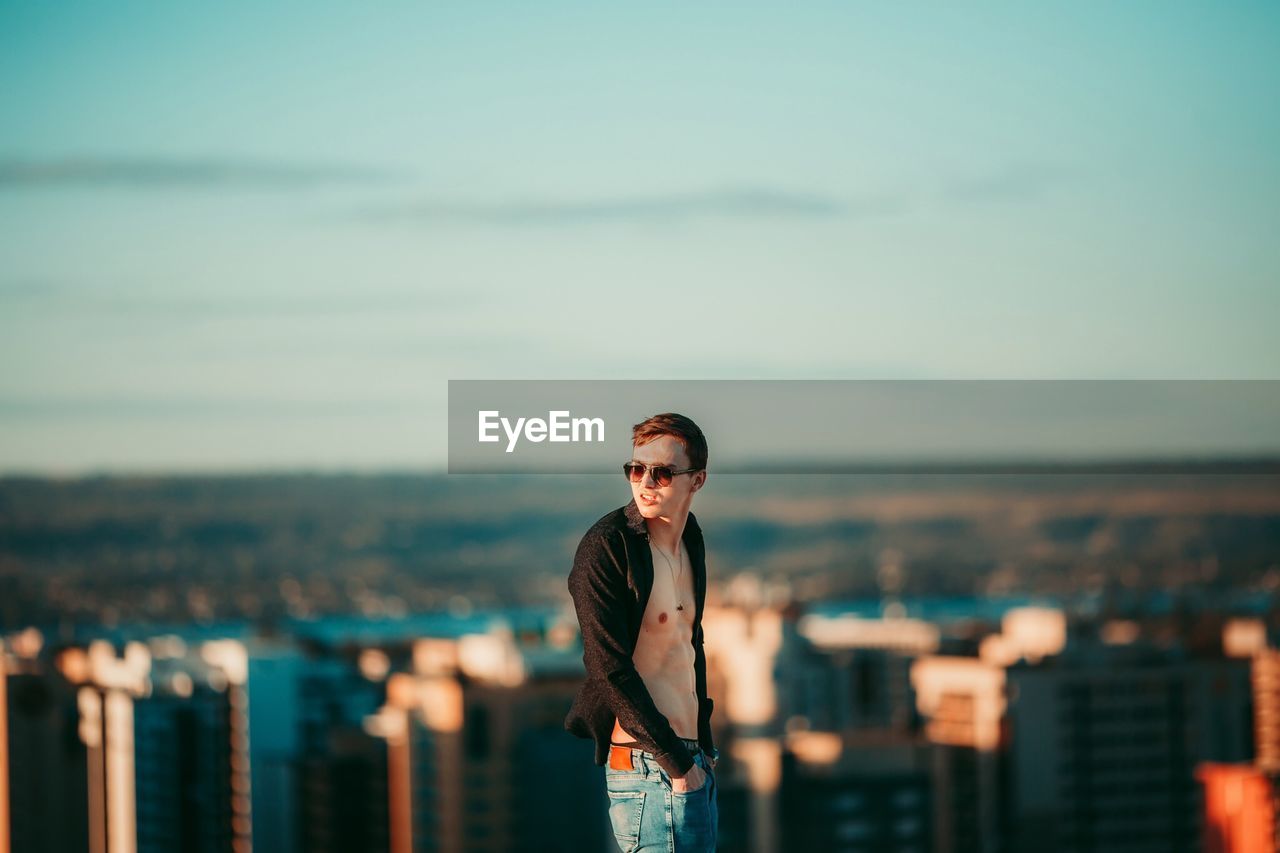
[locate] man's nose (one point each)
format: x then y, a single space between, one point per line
650 477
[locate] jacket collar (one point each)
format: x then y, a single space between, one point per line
636 523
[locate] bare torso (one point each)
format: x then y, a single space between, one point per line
664 653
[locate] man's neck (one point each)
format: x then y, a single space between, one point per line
667 532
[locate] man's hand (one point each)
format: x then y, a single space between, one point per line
691 781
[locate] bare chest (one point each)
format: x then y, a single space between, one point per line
671 600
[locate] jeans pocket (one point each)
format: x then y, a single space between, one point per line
693 816
626 810
698 762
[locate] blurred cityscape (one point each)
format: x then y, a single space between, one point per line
1000 663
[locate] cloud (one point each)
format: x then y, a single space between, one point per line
146 173
54 407
722 204
61 296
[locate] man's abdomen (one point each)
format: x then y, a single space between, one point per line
665 664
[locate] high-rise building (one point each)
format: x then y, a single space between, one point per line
191 751
344 793
1089 747
856 794
1104 742
846 673
1242 800
962 701
1265 679
109 684
43 764
478 759
183 761
315 781
783 683
341 768
1240 807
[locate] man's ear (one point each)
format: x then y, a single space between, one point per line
699 480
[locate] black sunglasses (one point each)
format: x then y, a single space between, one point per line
662 474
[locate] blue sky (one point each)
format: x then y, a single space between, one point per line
266 235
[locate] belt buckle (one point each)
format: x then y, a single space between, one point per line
620 758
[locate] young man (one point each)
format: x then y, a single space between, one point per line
638 583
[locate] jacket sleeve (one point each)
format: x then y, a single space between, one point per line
598 584
704 702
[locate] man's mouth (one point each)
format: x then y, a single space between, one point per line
648 498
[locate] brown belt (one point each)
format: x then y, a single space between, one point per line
620 754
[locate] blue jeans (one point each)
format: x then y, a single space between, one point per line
648 816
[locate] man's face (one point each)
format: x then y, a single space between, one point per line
657 501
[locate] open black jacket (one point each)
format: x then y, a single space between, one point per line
610 583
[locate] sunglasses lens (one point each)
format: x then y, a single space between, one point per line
635 471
